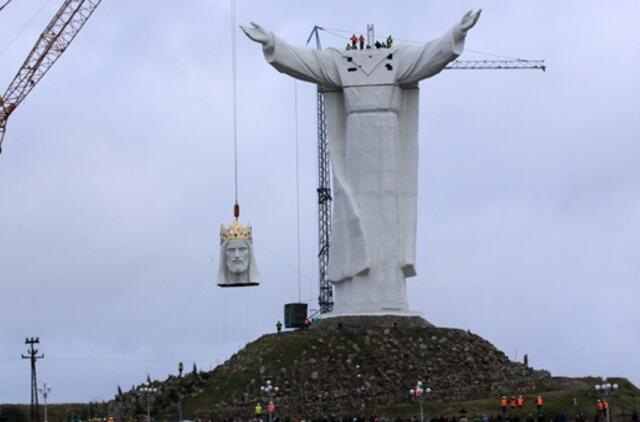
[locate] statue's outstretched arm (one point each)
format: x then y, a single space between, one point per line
317 66
417 62
258 34
469 20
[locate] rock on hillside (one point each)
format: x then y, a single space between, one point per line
346 364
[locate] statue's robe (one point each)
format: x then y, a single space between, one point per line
372 128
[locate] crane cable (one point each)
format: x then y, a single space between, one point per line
295 106
236 207
24 28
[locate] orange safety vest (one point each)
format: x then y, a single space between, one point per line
605 404
520 401
600 406
539 401
503 402
512 402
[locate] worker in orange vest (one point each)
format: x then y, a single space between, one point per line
605 408
503 403
361 41
600 406
520 401
539 402
513 403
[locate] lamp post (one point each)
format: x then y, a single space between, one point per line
45 393
604 390
270 390
148 391
419 393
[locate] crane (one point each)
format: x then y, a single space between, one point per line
325 297
4 4
51 44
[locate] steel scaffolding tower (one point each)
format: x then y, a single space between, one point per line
325 296
325 299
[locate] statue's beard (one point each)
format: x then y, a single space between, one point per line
237 268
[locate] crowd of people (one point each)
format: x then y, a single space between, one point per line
559 416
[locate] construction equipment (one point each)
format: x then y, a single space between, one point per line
4 4
51 44
325 297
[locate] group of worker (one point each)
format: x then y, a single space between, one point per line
271 408
518 402
512 403
360 42
602 406
306 324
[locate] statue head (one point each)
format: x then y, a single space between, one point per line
236 254
237 265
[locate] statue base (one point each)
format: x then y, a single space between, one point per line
248 284
330 321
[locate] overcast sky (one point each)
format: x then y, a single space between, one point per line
117 172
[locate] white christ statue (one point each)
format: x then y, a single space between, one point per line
372 127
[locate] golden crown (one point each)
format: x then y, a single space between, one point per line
235 231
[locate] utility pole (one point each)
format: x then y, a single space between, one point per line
45 393
148 391
32 354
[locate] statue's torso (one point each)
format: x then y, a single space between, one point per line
372 98
368 79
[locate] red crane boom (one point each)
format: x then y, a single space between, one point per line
53 41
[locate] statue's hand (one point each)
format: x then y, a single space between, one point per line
469 20
256 33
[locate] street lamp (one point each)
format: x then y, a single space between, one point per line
419 393
604 390
270 390
148 391
45 393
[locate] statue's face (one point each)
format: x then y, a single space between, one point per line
237 256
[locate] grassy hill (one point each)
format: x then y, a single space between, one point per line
360 367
